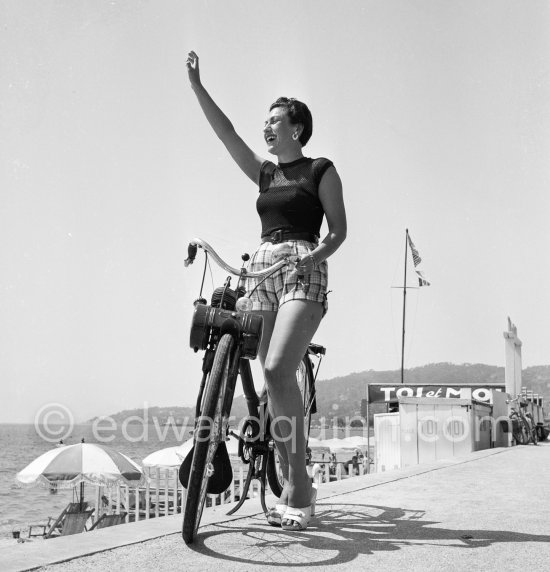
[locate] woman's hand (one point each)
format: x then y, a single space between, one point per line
306 265
192 64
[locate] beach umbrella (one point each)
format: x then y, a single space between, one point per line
339 444
315 444
361 443
342 449
174 456
319 451
169 456
72 465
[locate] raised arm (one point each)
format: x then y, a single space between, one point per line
245 158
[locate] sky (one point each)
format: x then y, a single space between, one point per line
436 114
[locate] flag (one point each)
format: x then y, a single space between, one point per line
416 257
417 260
421 280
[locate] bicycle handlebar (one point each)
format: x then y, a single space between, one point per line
242 272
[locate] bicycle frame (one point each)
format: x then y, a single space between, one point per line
255 439
209 324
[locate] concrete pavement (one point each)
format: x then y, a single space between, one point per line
487 511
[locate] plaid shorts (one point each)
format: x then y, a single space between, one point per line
274 291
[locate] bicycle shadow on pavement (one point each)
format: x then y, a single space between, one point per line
339 534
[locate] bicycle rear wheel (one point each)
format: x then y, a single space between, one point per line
207 438
305 380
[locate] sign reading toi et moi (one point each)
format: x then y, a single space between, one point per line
388 392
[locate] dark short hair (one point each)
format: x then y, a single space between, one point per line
297 112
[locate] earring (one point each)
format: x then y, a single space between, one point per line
295 136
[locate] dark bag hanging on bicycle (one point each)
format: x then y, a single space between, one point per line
223 471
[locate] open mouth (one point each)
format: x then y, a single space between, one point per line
270 138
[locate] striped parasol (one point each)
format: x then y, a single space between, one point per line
70 465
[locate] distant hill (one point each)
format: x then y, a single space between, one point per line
162 415
341 396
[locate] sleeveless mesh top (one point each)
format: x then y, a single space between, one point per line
289 197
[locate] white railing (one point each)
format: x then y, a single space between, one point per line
327 472
164 495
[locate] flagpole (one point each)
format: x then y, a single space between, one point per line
404 307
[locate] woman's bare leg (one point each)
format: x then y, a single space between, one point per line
295 324
269 324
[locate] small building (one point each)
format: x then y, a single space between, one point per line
427 429
384 397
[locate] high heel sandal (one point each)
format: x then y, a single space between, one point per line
275 515
299 517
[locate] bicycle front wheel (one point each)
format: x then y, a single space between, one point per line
305 381
207 438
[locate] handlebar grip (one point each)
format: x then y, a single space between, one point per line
191 254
